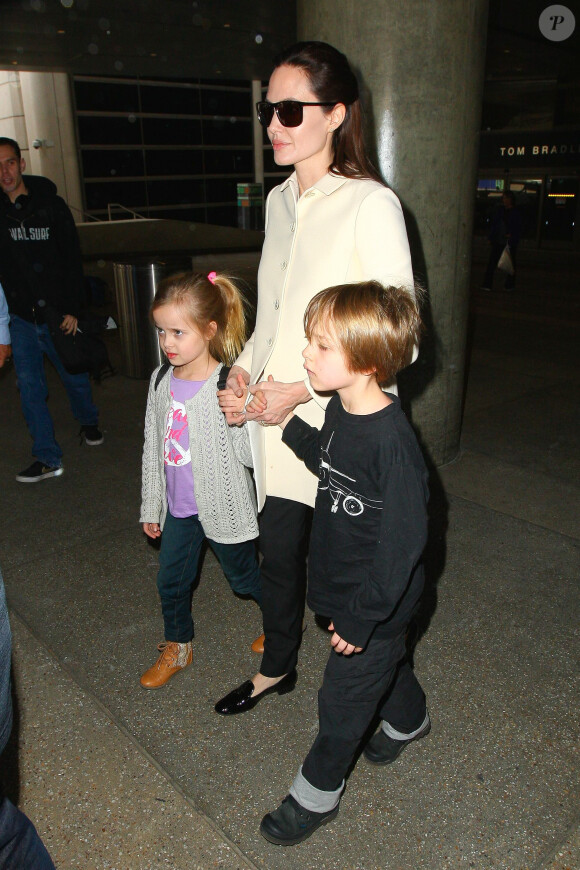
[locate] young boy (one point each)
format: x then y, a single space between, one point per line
368 534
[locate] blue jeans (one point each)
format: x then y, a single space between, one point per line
20 845
30 342
181 544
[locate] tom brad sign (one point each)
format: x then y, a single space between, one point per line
540 148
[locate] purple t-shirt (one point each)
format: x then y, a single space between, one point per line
178 471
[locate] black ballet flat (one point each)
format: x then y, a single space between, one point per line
241 699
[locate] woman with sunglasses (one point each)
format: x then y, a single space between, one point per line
333 221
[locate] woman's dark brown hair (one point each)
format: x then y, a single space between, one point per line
333 81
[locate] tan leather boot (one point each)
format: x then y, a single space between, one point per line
258 644
174 657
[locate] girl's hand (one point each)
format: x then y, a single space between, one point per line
230 403
280 400
342 646
152 530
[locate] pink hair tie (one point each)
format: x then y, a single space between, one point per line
212 276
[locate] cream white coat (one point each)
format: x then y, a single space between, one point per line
339 231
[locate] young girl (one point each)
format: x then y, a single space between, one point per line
195 483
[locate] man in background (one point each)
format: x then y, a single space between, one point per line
40 270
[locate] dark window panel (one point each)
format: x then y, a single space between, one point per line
171 131
131 194
170 101
176 192
226 103
102 164
105 97
227 132
229 162
109 131
174 162
223 215
221 190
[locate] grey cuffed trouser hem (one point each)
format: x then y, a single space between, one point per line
313 799
398 735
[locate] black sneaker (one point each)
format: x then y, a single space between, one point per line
291 823
92 435
382 749
38 471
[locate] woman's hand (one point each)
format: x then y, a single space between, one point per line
232 400
152 530
342 646
279 399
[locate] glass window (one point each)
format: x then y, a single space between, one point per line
229 162
171 131
97 164
226 103
170 101
174 192
221 190
171 162
131 194
230 131
98 96
109 131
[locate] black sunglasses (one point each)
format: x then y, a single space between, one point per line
290 112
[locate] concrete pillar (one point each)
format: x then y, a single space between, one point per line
49 118
11 111
421 69
258 134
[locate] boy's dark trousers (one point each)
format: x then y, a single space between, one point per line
354 689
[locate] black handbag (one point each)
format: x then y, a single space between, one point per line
84 351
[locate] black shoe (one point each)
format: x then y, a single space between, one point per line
92 435
38 471
382 749
291 823
241 699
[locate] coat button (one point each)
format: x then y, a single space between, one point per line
283 265
292 227
269 342
276 305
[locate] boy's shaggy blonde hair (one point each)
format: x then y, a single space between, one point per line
376 327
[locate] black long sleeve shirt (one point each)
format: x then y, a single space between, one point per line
370 518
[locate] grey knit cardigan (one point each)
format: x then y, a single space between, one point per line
224 489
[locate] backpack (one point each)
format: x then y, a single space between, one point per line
222 377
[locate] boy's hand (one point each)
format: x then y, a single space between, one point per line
280 398
342 646
152 530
